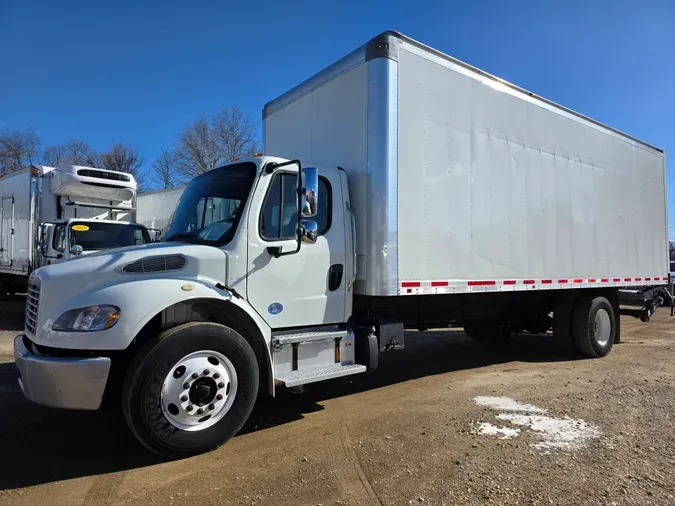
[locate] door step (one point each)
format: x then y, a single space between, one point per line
323 373
282 338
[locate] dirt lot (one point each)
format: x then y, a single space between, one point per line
576 432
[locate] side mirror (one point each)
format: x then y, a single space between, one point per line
76 250
310 201
155 234
310 232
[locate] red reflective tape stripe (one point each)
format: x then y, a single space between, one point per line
604 280
616 280
411 284
547 281
439 283
528 282
638 279
665 278
578 280
648 279
626 279
562 281
591 280
482 283
509 281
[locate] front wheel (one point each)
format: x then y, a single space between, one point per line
191 389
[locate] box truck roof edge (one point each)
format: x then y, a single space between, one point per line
385 45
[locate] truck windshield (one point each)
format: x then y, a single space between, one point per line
210 208
95 236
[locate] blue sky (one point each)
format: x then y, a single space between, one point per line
137 72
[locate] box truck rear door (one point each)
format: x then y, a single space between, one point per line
6 230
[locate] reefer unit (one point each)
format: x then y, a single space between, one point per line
462 182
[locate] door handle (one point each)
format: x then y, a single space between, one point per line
335 276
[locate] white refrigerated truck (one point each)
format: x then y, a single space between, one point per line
429 193
51 214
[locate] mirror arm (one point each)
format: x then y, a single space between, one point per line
277 252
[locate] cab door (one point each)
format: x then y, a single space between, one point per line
303 289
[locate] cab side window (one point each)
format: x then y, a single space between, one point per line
280 217
59 242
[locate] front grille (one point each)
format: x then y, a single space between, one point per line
32 304
156 264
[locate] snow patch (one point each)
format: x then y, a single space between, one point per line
554 433
492 430
507 404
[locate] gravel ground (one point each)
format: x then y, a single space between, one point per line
582 432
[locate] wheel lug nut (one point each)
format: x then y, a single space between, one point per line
206 372
219 397
186 385
212 407
200 411
195 375
221 385
189 408
184 398
216 376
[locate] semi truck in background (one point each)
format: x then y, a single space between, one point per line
408 190
154 209
51 214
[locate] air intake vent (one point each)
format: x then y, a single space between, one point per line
103 174
155 264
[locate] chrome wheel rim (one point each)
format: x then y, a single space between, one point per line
602 327
199 390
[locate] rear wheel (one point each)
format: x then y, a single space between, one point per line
594 326
190 390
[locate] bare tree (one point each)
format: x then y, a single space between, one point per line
235 133
207 144
18 149
75 152
123 158
164 168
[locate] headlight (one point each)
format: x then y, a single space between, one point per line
88 319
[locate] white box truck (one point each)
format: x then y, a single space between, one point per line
154 208
51 214
429 193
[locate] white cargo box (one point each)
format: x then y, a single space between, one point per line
156 208
463 182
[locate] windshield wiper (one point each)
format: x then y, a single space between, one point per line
178 236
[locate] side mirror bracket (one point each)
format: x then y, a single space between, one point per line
307 204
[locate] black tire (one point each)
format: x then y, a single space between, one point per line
143 385
588 328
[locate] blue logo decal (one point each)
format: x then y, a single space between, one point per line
275 308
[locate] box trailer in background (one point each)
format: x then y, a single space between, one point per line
412 191
51 214
156 207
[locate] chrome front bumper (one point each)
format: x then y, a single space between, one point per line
61 382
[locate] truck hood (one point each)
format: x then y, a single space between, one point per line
59 282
